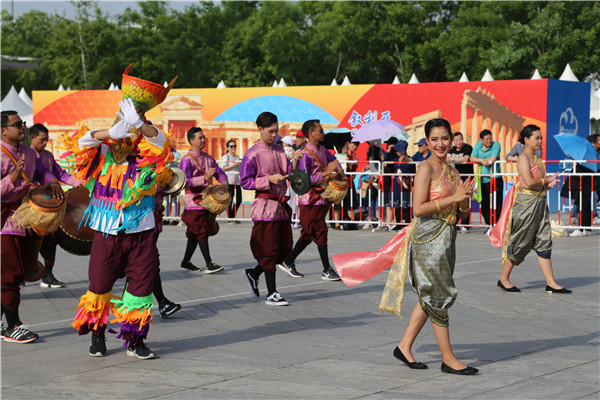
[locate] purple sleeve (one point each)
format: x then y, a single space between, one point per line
187 167
329 157
63 175
41 174
219 173
6 186
248 176
307 163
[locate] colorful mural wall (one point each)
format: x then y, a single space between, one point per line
504 107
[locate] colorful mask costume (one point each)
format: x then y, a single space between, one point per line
121 176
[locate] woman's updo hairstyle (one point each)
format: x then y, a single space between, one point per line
435 123
527 131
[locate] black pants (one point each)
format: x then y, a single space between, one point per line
491 216
235 200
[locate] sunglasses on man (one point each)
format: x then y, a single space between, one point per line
18 124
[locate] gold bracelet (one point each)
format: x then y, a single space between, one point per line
438 206
543 182
461 210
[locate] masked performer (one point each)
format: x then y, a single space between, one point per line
120 167
425 250
319 164
524 222
38 134
263 169
21 169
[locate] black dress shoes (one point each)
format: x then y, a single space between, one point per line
513 289
465 371
412 365
550 289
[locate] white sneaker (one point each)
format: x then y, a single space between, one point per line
462 229
488 232
578 232
275 299
367 226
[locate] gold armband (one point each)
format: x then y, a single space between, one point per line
437 205
461 210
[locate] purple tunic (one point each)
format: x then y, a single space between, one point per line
258 163
314 170
194 176
12 192
52 166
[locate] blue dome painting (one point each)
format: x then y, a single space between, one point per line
287 109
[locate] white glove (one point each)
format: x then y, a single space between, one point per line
120 130
129 114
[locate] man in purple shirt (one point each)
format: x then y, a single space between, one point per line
263 169
319 164
39 139
200 169
20 169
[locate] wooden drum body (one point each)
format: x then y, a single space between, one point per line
214 201
40 212
70 237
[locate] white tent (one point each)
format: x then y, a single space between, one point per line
25 97
282 83
346 81
536 74
61 88
396 80
275 83
487 76
463 77
413 79
221 85
334 82
12 102
568 75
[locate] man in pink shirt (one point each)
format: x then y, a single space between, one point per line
20 170
263 170
39 139
200 170
319 164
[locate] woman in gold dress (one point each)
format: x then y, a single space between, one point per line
525 223
425 250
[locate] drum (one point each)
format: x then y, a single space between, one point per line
336 188
177 183
70 237
40 212
214 201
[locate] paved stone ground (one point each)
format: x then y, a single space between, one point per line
331 342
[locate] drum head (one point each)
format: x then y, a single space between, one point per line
299 181
70 237
338 182
41 197
217 197
177 184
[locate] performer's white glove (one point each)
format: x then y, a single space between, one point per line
129 114
121 130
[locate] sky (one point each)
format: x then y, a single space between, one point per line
65 8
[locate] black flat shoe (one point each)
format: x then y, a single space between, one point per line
412 365
550 289
465 371
513 289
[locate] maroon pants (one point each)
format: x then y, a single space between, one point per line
48 249
197 224
314 228
271 242
124 255
12 271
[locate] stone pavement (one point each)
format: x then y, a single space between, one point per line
331 342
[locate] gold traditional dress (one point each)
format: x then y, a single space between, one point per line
525 221
425 250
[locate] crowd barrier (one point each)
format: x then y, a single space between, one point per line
376 203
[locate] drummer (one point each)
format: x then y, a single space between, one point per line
263 169
38 134
200 170
319 164
18 165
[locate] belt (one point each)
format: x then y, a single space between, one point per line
449 217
